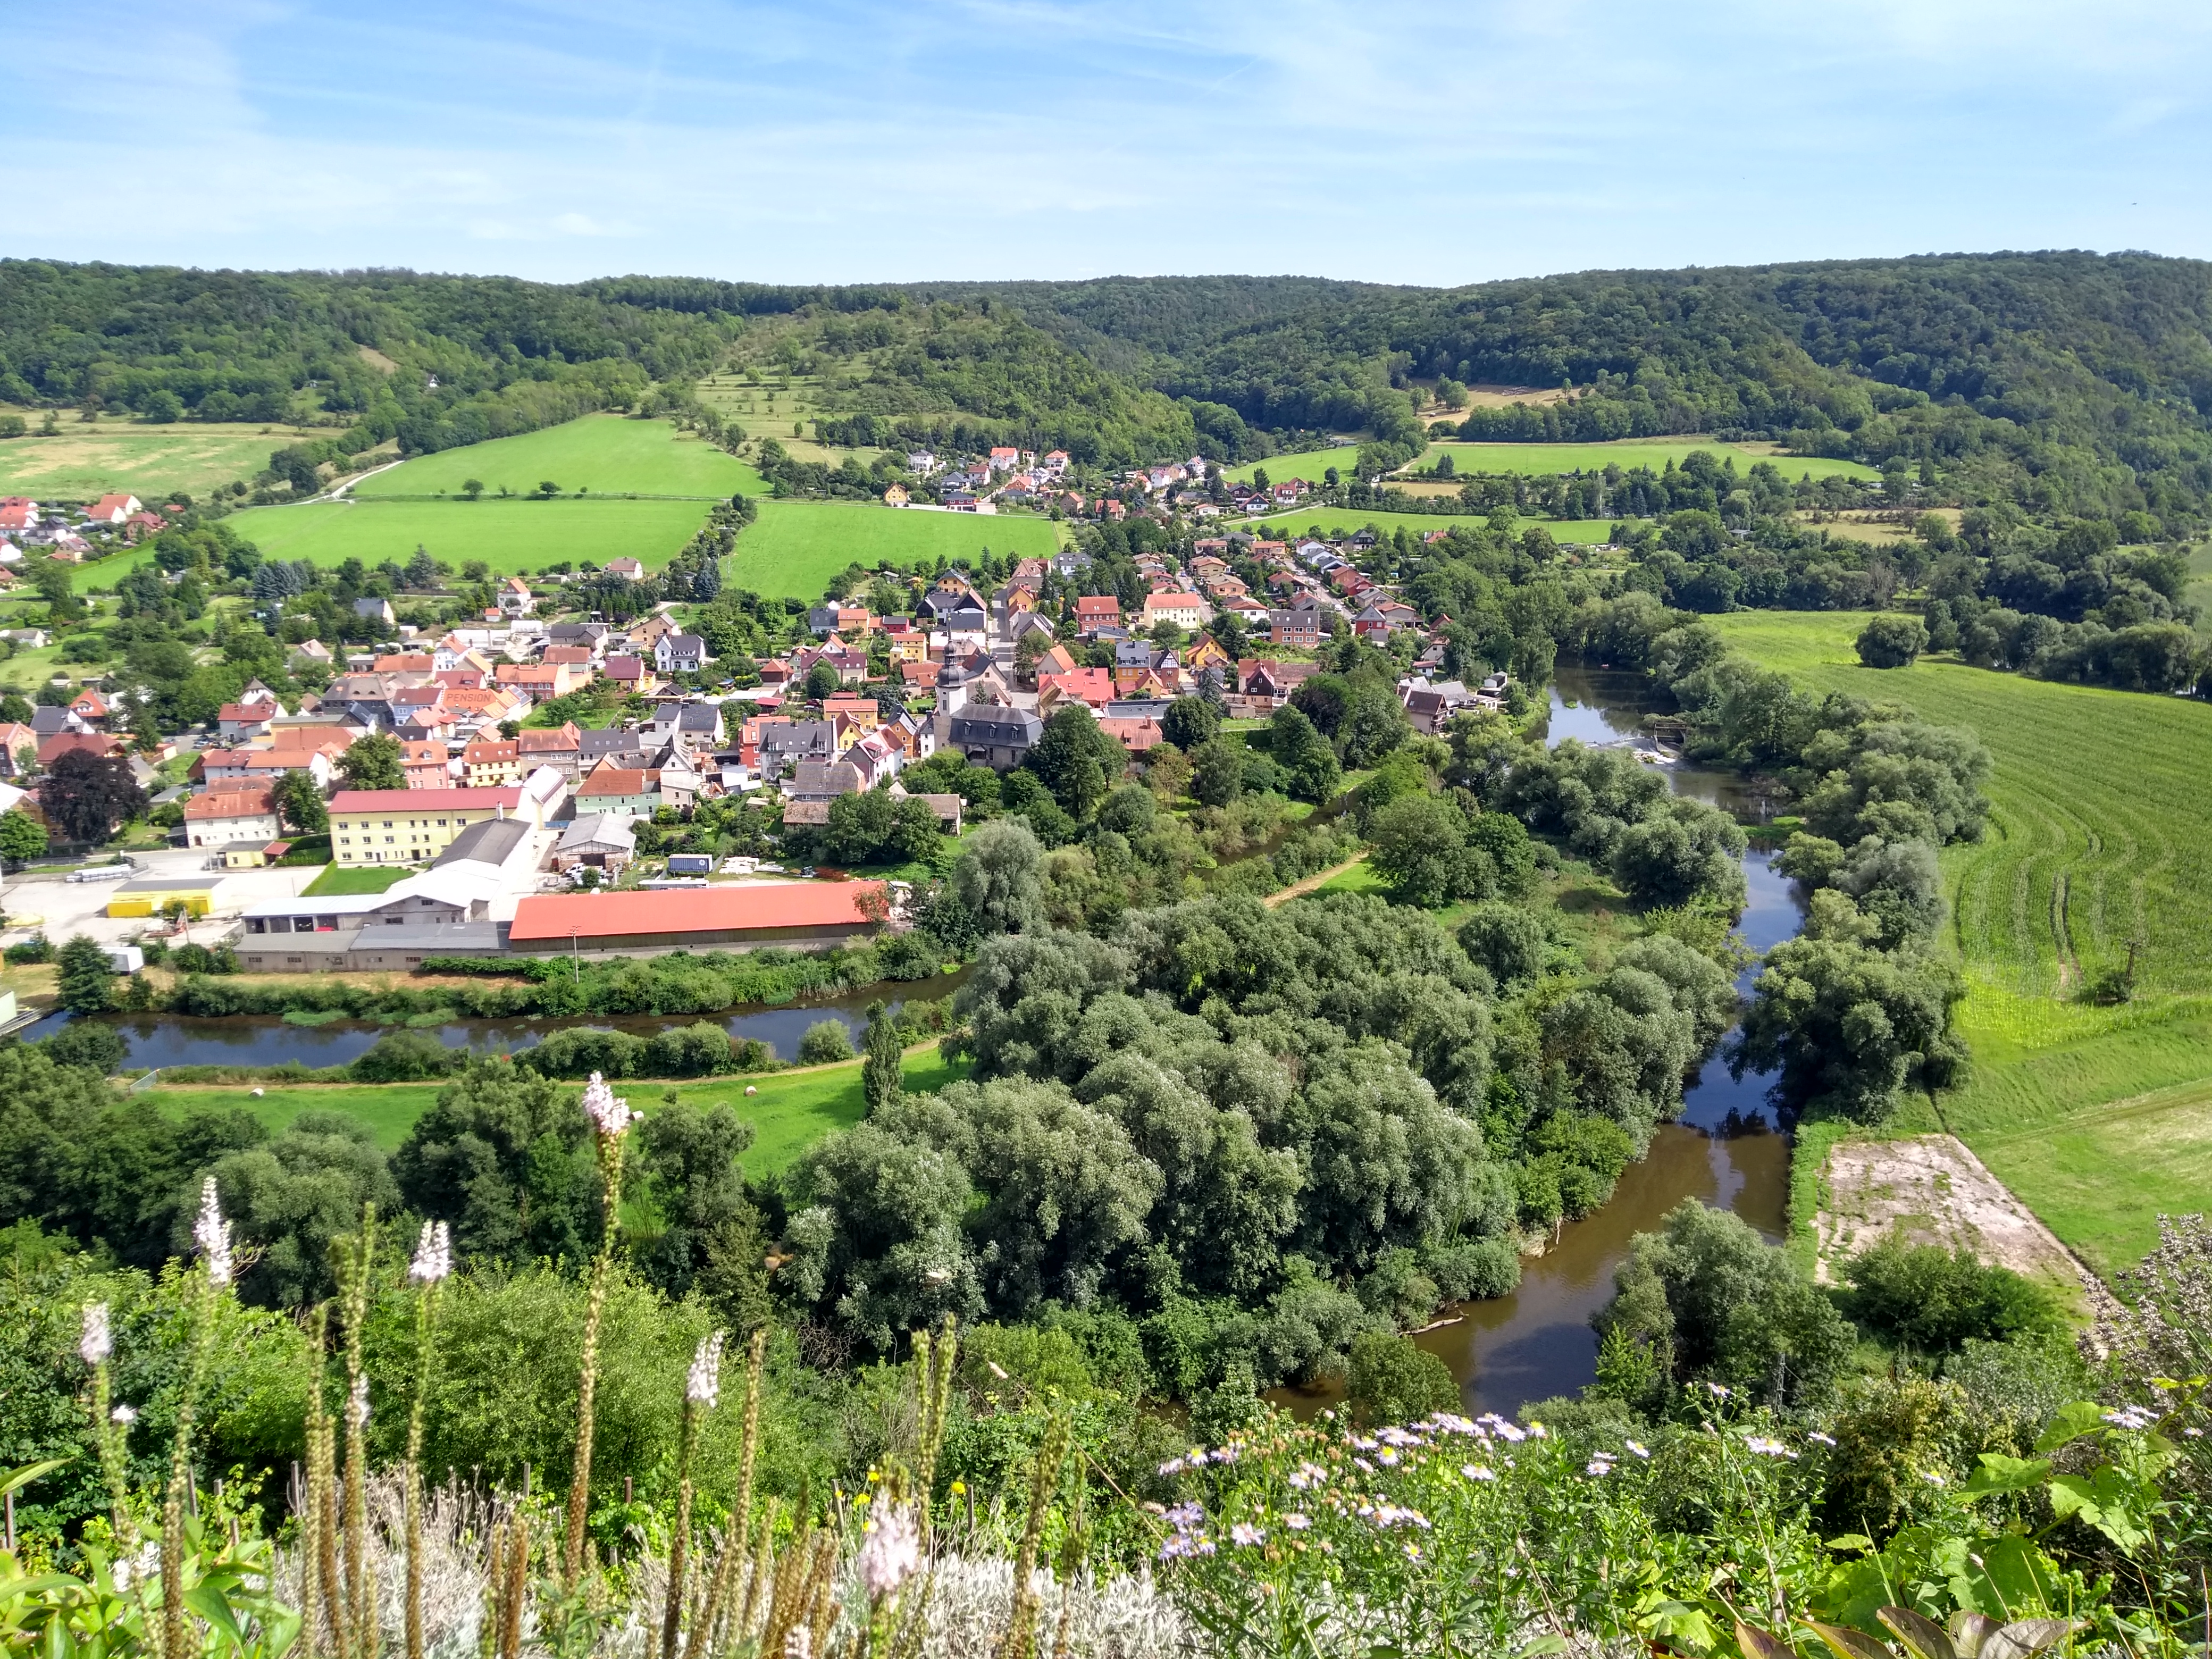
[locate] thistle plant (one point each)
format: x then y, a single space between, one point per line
433 1260
610 1118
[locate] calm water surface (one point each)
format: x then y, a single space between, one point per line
174 1040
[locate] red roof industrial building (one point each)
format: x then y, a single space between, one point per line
739 915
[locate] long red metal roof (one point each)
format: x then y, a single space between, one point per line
738 907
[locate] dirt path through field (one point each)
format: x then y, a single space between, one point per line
1939 1193
1306 884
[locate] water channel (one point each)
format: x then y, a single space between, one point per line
1724 1149
254 1040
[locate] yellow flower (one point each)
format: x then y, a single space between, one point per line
959 1488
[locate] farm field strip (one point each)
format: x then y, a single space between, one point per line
794 547
604 455
1344 520
1542 459
79 462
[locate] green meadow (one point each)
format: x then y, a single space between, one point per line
603 454
794 547
2098 804
80 462
510 536
791 1111
1344 521
1538 459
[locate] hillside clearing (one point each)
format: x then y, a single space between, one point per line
604 455
79 462
794 547
1348 520
1538 461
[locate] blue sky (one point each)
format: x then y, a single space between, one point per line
845 140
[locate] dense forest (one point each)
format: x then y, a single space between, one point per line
2061 381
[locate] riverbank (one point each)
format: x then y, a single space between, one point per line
789 1111
2098 1118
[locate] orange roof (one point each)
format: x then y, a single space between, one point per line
486 754
614 780
693 910
327 739
406 663
558 741
231 802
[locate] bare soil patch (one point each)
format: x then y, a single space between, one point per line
1936 1192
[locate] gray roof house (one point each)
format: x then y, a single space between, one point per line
783 747
991 735
377 610
679 653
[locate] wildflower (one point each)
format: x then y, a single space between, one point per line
1225 1454
358 1404
1387 1457
95 1345
2130 1417
434 1254
1825 1439
1364 1442
1296 1521
2194 1434
1598 1466
1396 1437
126 1415
960 1489
611 1115
704 1385
1245 1534
1451 1424
1766 1447
1933 1478
1536 1431
1719 1390
1638 1449
799 1643
212 1234
1478 1472
1363 1465
1186 1517
891 1555
1173 1466
1307 1476
1413 1550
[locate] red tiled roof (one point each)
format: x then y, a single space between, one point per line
424 801
693 910
615 781
231 803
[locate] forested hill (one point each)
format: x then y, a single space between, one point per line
2067 382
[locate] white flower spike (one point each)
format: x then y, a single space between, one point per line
609 1113
95 1345
704 1385
892 1553
358 1405
212 1234
434 1254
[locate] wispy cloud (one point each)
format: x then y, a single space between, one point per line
849 139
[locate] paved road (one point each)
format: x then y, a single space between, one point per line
65 909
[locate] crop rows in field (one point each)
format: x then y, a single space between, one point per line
2098 804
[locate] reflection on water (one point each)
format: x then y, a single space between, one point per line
154 1040
1725 1151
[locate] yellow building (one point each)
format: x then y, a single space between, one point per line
410 826
149 895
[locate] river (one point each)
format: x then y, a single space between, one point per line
154 1040
1724 1149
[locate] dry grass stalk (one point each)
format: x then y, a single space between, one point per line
611 1121
1044 1480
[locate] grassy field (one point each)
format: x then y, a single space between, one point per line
604 455
1344 521
791 1112
81 462
2098 804
1538 459
337 882
795 547
511 537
